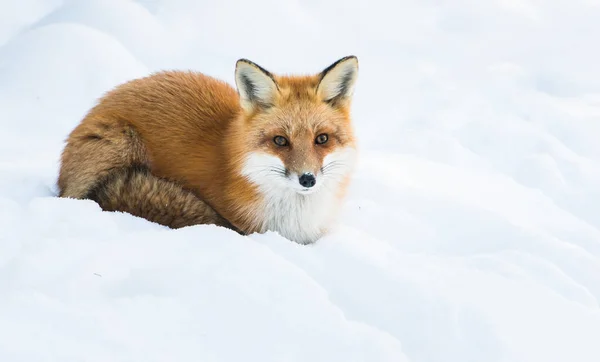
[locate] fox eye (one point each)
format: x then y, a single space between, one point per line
321 139
280 141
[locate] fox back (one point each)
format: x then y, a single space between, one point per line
276 155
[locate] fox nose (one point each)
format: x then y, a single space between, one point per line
307 179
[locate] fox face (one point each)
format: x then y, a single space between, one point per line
298 142
298 128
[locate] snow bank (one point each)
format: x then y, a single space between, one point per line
471 232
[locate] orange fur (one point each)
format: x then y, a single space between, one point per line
190 129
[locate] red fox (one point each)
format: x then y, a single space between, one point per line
181 148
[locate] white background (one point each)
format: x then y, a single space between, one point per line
471 231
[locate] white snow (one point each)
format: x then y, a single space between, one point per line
472 227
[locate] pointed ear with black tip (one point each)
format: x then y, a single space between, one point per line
336 86
256 86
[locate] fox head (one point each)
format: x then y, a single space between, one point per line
297 129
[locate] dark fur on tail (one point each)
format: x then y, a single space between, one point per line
135 190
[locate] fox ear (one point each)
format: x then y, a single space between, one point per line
336 85
256 86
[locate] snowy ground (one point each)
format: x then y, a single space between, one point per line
471 233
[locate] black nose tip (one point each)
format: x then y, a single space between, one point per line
307 180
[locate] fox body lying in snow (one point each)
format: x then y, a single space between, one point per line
182 148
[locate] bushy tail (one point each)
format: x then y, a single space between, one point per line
136 191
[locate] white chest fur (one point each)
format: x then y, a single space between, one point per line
301 218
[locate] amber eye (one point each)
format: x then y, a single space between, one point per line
321 139
280 141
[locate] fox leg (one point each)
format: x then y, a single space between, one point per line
105 160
